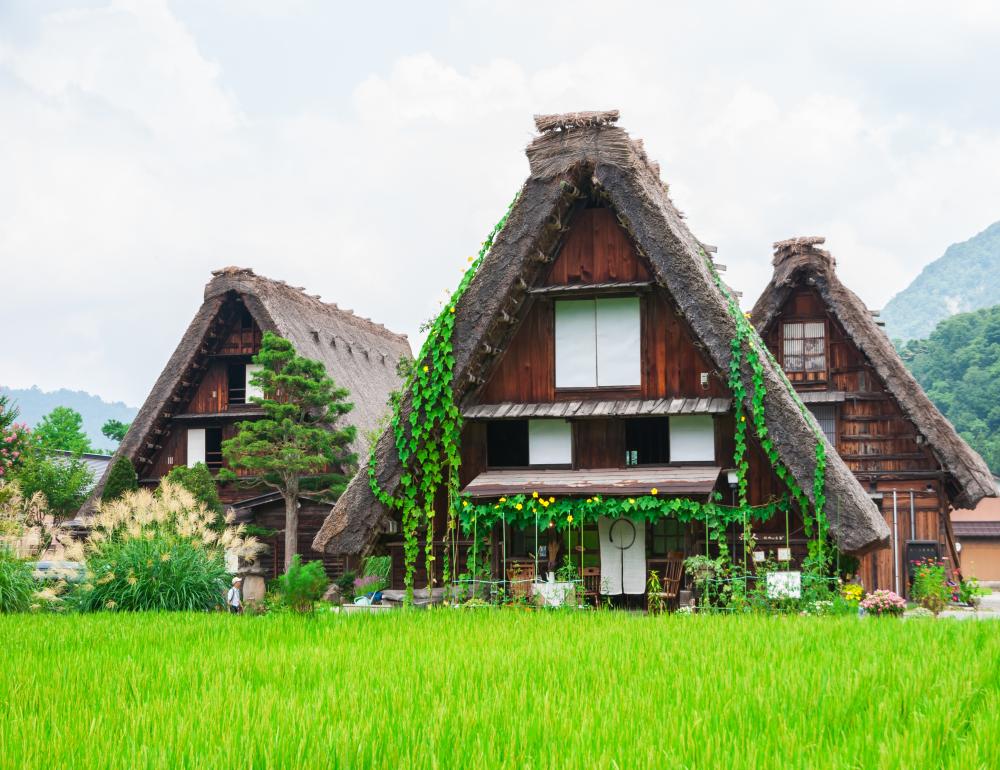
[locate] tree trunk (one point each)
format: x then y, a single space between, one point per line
291 495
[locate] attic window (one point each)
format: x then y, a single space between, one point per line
804 346
597 343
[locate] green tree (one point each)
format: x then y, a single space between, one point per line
115 429
297 445
64 480
199 482
62 429
959 368
121 479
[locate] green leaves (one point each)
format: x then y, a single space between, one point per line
427 441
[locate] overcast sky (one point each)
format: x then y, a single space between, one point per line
363 151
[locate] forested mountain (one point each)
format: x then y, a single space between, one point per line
33 404
959 367
966 277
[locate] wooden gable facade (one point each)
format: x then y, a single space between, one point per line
205 391
591 355
842 378
616 439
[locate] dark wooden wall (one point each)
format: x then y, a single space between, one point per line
874 438
597 250
311 517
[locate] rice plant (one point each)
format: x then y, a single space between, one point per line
483 689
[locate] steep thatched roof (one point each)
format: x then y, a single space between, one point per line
359 354
799 262
586 150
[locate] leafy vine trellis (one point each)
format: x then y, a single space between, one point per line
427 441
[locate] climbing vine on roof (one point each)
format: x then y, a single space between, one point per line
427 439
748 345
427 436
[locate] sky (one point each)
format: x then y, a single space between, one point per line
363 151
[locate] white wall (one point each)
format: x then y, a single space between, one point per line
195 446
550 442
692 438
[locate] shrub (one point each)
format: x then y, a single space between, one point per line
65 481
121 479
302 584
17 584
199 482
158 551
930 585
883 603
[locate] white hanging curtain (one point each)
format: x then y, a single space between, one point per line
623 556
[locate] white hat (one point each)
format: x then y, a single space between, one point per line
237 580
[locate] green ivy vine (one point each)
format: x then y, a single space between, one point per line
748 345
427 442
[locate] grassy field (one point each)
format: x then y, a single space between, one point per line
468 689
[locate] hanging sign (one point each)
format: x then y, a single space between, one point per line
784 585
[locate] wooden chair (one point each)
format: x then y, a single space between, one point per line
592 584
670 580
520 576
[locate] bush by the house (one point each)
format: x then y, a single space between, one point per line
199 482
17 585
158 551
121 479
302 584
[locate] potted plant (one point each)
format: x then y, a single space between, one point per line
931 588
370 588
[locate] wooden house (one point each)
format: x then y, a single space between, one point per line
886 430
592 351
977 531
204 391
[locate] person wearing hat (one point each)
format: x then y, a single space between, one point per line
233 600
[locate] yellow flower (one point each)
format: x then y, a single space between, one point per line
590 500
495 507
465 503
534 494
552 499
570 518
654 491
631 501
519 506
544 504
452 310
503 499
472 259
743 417
427 368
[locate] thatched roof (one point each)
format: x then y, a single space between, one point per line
798 262
359 354
571 154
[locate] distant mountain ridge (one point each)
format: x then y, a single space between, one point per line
965 278
34 404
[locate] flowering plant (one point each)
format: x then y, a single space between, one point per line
369 584
14 438
883 602
851 592
932 587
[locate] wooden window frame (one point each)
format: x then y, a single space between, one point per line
801 375
623 391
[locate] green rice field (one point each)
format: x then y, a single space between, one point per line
485 688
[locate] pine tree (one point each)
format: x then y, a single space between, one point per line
121 479
297 446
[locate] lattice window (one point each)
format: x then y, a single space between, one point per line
804 346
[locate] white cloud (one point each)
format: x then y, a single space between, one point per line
131 169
